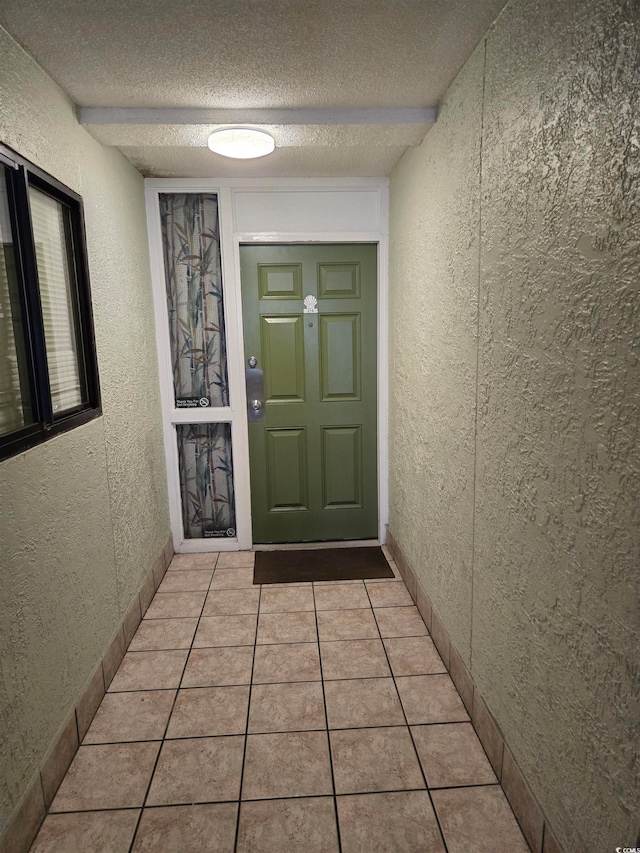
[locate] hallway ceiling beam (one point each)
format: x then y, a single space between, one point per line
137 116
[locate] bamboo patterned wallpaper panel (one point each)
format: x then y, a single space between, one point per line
206 480
191 248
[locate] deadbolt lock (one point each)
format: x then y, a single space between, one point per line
255 392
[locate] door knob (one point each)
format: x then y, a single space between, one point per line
253 361
256 405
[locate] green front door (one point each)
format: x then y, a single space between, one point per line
313 457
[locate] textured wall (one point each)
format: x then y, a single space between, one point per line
84 515
549 610
434 267
125 330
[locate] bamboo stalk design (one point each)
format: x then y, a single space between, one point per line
204 453
191 246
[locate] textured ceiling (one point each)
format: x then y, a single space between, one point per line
254 54
167 151
356 161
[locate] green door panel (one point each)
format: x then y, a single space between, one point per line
313 459
342 467
286 469
280 281
338 281
282 346
340 356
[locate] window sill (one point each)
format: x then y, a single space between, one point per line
35 435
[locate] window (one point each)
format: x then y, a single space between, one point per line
48 368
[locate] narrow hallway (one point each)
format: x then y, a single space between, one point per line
315 717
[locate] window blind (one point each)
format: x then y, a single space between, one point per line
54 277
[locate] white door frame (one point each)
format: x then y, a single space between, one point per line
361 213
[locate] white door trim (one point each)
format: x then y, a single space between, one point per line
371 207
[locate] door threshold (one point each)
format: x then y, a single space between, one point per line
314 546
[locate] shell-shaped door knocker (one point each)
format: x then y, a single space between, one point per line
310 305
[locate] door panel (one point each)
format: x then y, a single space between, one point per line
341 467
338 281
340 356
280 281
286 469
314 456
282 345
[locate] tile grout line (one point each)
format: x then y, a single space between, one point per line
276 799
326 718
267 612
246 728
281 642
413 743
173 704
291 731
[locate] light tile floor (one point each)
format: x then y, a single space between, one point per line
315 718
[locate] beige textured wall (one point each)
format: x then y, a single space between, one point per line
433 295
84 515
515 260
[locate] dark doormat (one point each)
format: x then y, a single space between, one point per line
324 564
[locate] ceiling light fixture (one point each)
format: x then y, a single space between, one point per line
241 142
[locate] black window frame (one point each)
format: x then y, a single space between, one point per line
20 175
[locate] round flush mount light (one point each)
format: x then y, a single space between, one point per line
242 143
